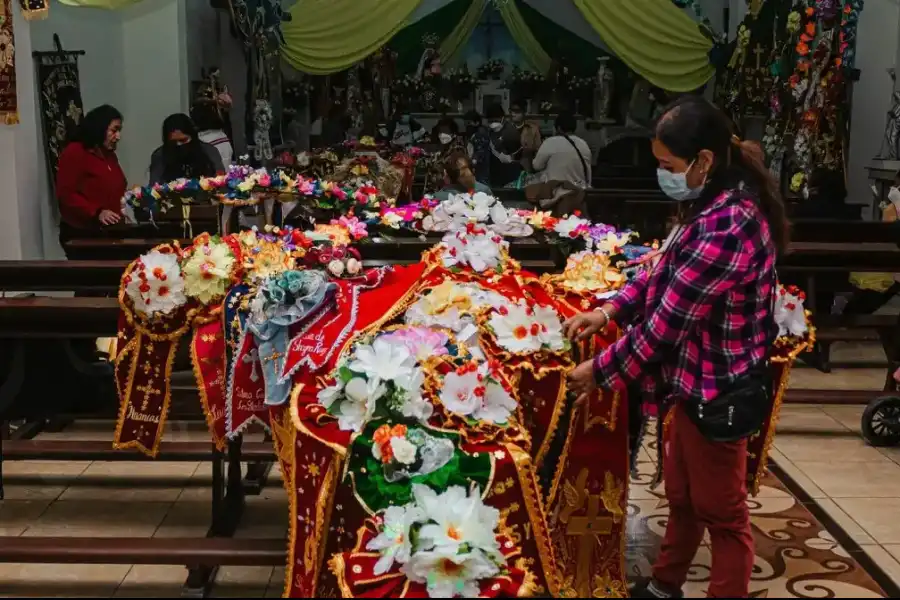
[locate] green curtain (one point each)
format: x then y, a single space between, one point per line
524 38
327 36
579 54
108 4
655 38
408 41
457 39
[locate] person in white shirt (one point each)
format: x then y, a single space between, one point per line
212 130
565 156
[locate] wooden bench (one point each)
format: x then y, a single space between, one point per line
195 552
36 334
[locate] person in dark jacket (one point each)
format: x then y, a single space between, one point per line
182 154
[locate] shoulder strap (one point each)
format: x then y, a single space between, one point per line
581 158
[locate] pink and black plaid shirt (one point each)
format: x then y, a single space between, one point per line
703 313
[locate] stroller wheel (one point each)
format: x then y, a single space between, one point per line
881 421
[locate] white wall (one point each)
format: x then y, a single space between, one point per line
155 79
876 51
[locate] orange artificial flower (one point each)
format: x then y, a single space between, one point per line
838 61
847 9
382 437
802 48
811 29
810 11
803 66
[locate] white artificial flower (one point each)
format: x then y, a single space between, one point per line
415 406
480 251
551 331
496 404
499 214
450 575
569 226
328 395
404 451
514 330
790 314
207 271
336 268
458 518
458 393
156 285
361 400
393 542
382 360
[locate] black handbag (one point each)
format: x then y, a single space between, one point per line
739 411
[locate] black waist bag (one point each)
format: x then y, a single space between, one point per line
738 412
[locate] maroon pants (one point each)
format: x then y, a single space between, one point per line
706 488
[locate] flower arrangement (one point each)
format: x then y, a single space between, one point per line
155 284
208 268
526 83
446 541
474 247
492 69
462 83
790 314
378 379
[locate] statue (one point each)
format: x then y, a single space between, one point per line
603 91
890 146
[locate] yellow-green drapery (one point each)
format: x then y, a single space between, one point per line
655 38
525 40
326 36
462 32
108 4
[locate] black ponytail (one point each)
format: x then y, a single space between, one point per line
691 124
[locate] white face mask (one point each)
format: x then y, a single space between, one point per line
445 138
496 126
383 131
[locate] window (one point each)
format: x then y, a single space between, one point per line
491 39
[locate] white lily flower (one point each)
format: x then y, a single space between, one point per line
382 361
393 543
496 405
450 575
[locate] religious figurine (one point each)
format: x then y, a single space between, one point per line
890 146
604 90
262 121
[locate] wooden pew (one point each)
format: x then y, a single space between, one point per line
35 333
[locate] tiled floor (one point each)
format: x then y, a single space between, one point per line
818 448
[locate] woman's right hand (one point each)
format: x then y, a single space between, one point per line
108 217
581 327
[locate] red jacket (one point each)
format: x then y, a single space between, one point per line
87 182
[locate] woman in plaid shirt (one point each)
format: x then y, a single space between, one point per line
700 318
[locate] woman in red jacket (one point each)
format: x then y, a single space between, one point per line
89 182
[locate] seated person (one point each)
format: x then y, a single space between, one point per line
89 181
446 134
182 154
564 162
478 145
459 178
404 130
211 127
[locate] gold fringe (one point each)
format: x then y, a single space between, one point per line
10 118
36 14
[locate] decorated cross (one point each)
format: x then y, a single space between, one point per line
252 357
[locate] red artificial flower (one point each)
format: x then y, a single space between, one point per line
811 29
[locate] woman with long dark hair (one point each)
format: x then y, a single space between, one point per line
89 181
182 154
702 325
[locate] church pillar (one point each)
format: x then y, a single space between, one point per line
877 50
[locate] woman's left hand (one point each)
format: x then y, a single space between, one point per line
581 380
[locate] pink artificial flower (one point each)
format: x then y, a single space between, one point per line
265 180
422 342
338 193
356 227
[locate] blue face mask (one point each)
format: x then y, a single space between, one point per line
675 185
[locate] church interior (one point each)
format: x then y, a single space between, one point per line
426 299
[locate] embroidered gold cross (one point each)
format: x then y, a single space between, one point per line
148 390
587 528
274 356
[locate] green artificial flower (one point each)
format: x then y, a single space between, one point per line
793 22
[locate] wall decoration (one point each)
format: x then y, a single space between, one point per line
35 9
9 112
59 89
